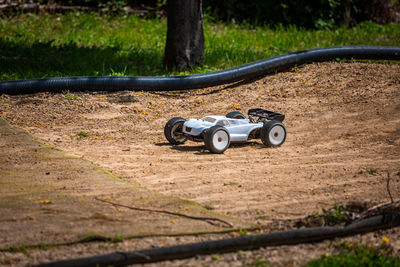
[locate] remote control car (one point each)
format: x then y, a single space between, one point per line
217 132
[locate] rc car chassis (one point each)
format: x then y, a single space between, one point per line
217 132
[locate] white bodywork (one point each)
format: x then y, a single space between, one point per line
239 129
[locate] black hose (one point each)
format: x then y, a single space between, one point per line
244 72
234 244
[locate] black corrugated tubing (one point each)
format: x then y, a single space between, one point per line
248 242
196 81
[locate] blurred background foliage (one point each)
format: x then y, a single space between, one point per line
305 13
309 14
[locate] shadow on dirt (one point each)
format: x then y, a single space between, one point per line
240 145
201 150
184 148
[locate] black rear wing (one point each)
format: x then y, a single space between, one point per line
266 114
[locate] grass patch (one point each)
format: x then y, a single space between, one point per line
91 44
21 249
334 215
243 231
82 134
351 255
207 207
67 95
260 262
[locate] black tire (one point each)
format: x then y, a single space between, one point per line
273 133
173 126
217 139
235 115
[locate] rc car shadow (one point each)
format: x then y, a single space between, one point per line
251 143
184 148
200 149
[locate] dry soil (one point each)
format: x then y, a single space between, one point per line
343 142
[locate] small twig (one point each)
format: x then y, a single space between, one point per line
210 220
388 187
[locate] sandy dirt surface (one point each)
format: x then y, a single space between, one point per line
343 141
48 197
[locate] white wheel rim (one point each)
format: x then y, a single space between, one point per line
178 138
220 140
277 135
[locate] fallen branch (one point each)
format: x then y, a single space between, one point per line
391 207
210 220
381 209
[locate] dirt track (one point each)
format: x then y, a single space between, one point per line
343 122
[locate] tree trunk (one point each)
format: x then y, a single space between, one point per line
185 38
346 19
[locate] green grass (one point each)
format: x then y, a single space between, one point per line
77 44
334 215
67 95
207 207
371 171
358 256
82 134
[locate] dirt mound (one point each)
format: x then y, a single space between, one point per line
343 123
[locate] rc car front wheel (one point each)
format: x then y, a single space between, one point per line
273 133
217 139
235 115
173 131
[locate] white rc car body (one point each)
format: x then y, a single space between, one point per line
217 132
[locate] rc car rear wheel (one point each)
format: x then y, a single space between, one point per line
173 129
217 139
235 115
273 133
